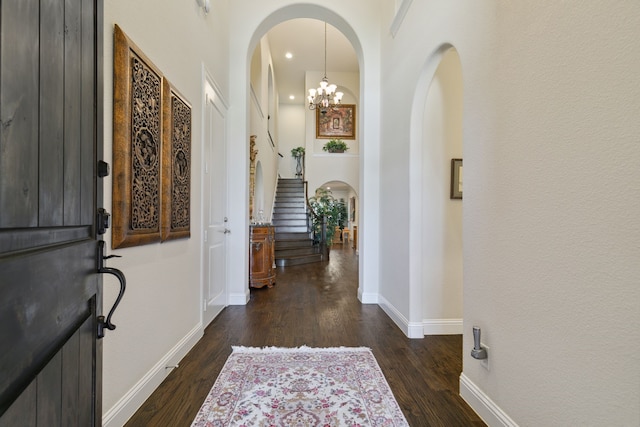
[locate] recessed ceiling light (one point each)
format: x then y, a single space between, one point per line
292 97
288 55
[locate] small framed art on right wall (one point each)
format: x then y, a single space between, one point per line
456 179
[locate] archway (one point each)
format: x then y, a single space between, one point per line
245 34
436 219
346 194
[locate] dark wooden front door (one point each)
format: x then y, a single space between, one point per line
50 83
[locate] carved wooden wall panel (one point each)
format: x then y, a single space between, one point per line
137 150
176 165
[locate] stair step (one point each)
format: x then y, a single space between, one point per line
292 236
293 244
289 189
291 222
293 240
291 229
294 214
278 205
291 198
298 209
293 252
303 259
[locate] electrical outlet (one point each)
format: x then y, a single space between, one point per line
485 362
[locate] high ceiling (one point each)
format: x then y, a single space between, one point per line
304 39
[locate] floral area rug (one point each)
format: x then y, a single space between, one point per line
301 387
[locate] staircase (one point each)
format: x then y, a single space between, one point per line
294 239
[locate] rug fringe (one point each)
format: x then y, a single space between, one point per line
242 349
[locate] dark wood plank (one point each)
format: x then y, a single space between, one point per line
91 106
19 59
49 384
70 376
19 240
90 358
51 113
316 305
23 411
72 111
56 309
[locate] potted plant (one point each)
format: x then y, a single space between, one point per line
334 212
297 152
335 146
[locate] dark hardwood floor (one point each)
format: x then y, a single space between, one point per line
316 305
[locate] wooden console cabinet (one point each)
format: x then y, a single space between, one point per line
262 263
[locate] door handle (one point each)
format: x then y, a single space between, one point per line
227 231
102 322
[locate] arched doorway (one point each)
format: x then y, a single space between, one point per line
368 115
344 193
436 218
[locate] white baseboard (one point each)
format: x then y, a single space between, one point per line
442 326
486 408
367 298
239 299
410 329
120 413
414 329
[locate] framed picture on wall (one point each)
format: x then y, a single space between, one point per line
338 122
456 179
352 202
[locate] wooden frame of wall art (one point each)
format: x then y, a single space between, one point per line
137 145
336 122
456 179
176 165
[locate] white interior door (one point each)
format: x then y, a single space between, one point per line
215 207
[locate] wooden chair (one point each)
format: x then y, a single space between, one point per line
345 235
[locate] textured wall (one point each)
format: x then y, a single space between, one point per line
441 216
551 222
552 185
161 304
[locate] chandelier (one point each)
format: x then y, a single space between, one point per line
325 96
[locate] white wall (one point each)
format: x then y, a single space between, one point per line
442 216
292 135
410 60
551 200
552 261
159 317
349 83
259 122
323 166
